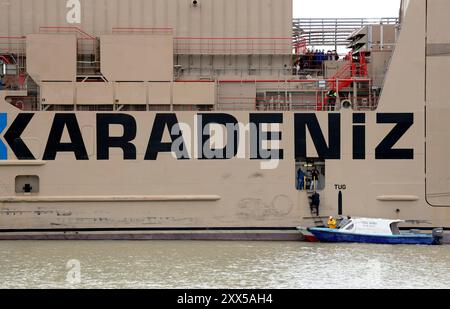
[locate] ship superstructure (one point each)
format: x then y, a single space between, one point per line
217 118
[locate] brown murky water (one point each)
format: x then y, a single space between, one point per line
162 264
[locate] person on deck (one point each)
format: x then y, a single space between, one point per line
300 179
315 204
332 223
332 96
314 179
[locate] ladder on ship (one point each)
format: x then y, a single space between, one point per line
315 216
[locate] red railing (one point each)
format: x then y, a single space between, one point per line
69 29
314 99
14 49
281 81
12 44
218 45
346 75
301 47
85 38
5 60
166 31
232 45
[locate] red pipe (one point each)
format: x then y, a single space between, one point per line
226 44
241 38
290 81
131 28
194 81
270 81
5 60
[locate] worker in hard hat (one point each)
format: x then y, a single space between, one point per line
332 223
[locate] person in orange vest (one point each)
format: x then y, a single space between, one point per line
332 223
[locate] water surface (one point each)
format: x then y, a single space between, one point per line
173 264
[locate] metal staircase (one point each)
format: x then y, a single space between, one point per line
346 76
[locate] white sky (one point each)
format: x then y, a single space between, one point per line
346 8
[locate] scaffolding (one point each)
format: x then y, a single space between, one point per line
332 31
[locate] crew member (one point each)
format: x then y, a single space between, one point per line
332 95
300 179
315 203
332 223
314 179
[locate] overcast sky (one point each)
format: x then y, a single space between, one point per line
346 8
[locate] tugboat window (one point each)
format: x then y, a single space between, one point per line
310 174
350 227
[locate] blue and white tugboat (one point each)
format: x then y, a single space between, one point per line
375 231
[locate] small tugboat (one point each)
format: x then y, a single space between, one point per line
375 231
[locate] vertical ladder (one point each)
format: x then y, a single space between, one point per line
318 221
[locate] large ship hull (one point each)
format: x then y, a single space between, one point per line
149 193
215 175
